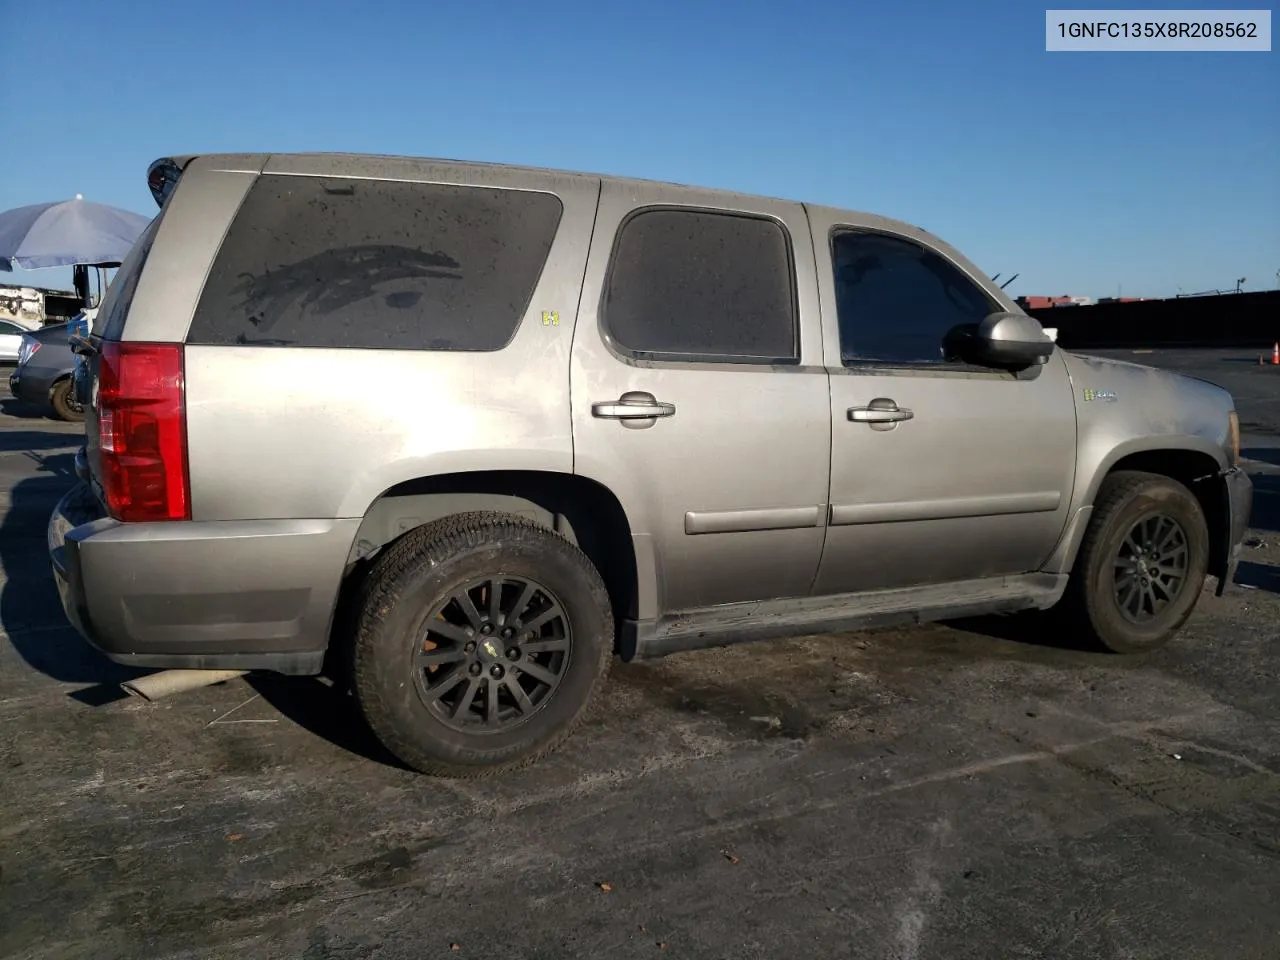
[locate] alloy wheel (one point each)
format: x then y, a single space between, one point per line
492 654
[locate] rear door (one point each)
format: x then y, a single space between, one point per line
940 471
698 393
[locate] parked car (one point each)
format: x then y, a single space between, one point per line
11 340
594 415
44 373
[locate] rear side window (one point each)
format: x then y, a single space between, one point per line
320 262
699 285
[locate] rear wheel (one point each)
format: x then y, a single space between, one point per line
482 639
64 402
1142 564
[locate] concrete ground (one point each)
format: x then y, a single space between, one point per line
949 792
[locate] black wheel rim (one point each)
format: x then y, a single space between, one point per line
1150 567
491 655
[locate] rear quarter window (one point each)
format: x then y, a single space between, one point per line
114 309
324 262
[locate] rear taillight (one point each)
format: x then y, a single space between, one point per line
27 349
142 429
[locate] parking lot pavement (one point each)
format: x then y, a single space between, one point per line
949 792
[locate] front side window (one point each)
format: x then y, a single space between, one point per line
697 285
896 301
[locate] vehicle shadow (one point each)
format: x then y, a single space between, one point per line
1046 630
324 705
1269 455
23 410
30 609
36 441
325 710
1266 502
1258 576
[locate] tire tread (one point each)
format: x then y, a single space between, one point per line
437 542
1083 605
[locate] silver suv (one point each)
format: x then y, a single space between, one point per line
475 429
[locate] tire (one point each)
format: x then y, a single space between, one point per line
411 586
1105 598
63 402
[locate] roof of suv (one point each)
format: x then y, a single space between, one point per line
257 161
354 162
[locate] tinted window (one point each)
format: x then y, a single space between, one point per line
320 262
688 284
896 301
114 308
10 328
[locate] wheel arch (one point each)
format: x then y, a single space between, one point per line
1192 461
584 511
57 379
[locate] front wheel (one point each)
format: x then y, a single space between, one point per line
64 401
482 640
1142 565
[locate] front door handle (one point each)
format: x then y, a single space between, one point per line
633 405
880 410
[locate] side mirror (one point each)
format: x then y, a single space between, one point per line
1009 340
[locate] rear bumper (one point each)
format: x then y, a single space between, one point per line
234 595
1238 491
32 385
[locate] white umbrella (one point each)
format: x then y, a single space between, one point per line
67 233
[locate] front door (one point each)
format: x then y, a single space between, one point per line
699 396
940 471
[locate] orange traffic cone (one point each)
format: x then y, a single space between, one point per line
1275 355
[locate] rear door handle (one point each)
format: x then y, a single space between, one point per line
880 410
633 405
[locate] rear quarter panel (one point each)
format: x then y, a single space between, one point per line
53 360
287 433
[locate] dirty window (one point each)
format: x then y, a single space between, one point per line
896 301
696 285
322 262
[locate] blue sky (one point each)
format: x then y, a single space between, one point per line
1085 173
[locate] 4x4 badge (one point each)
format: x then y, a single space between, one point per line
1091 394
551 318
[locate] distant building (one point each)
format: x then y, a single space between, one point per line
1041 303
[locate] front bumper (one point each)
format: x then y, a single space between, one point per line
234 595
1238 492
